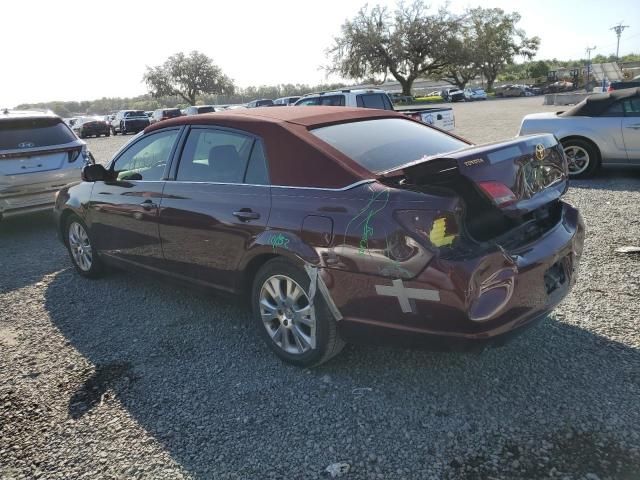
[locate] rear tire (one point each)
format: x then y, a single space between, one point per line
81 249
123 128
583 157
300 331
113 130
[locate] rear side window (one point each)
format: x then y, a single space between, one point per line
212 155
257 168
33 133
374 100
387 143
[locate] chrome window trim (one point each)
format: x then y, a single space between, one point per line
342 189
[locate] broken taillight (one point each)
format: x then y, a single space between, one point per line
499 193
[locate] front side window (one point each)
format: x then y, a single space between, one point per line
632 107
305 102
387 143
332 100
614 110
147 158
212 155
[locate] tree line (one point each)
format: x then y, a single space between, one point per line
407 43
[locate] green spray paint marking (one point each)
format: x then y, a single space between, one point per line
279 240
367 213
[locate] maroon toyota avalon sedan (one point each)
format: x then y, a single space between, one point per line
339 224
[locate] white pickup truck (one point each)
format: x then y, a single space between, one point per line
441 117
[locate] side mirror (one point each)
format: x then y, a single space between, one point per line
94 173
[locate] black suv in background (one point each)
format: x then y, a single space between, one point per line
263 102
129 121
164 114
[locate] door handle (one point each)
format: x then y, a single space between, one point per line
148 205
246 214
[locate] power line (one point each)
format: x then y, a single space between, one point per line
618 29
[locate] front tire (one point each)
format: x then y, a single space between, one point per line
582 156
299 330
81 250
123 129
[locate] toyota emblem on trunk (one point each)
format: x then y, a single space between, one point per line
540 152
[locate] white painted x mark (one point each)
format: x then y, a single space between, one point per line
405 295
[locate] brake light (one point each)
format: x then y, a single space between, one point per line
73 155
499 193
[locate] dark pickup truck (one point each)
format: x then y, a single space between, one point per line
129 121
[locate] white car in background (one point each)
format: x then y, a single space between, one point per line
603 129
39 154
471 94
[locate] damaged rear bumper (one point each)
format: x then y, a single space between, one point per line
463 303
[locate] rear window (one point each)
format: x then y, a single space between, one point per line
206 109
174 112
387 143
34 133
135 113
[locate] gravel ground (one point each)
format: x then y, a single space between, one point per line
128 377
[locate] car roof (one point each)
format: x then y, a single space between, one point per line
286 137
598 102
344 91
7 114
309 117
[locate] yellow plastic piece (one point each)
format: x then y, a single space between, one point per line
438 234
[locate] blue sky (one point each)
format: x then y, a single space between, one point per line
73 50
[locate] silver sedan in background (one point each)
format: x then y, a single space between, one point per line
603 129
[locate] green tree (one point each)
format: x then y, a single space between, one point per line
408 43
462 67
498 40
187 76
539 69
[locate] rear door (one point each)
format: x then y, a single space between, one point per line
217 205
124 213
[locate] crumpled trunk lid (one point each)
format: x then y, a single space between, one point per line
518 176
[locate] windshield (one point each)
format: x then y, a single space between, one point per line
33 133
387 143
135 113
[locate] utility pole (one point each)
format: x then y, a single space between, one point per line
618 29
588 50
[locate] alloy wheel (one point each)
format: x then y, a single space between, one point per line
577 158
80 246
288 315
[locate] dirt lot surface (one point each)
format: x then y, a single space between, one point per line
131 377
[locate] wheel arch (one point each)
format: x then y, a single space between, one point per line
64 218
583 139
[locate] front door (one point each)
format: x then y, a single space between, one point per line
631 129
124 212
218 203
